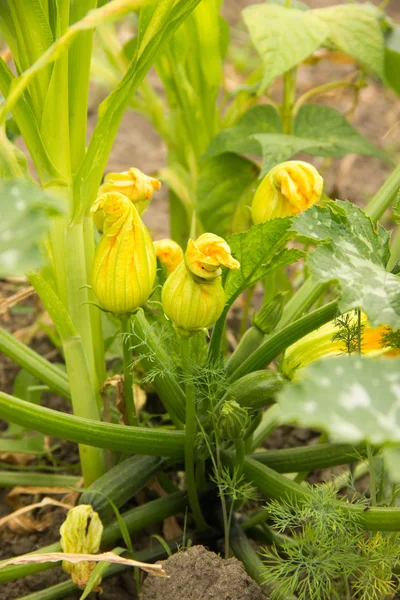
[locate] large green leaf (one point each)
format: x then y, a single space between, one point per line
355 256
392 59
352 398
225 188
355 30
259 119
327 125
26 212
259 250
283 37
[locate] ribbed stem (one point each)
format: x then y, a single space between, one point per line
128 379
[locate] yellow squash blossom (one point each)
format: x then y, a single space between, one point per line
124 265
193 296
169 253
320 344
205 256
81 534
287 189
134 184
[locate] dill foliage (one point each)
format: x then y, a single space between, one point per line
328 555
349 332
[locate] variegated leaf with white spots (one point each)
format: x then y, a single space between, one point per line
355 256
353 398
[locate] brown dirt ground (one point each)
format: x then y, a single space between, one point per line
354 178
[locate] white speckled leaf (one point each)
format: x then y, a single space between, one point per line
355 256
25 218
352 398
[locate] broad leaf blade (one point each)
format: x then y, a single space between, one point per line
352 398
26 212
355 30
355 256
259 119
225 188
256 250
283 37
325 124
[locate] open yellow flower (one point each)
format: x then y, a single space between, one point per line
321 344
134 184
287 189
205 256
169 253
193 296
124 265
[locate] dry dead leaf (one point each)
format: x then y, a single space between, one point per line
109 557
17 521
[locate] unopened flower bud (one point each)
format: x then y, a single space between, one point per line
134 184
287 189
169 253
81 534
124 265
205 256
232 420
192 304
267 318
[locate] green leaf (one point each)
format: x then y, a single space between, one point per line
353 398
392 59
327 125
283 37
259 250
26 214
355 30
276 148
259 119
355 256
225 188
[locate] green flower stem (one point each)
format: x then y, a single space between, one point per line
135 520
190 437
384 196
269 421
278 342
278 486
13 478
128 379
257 519
240 455
321 89
251 340
372 484
28 359
309 458
167 387
301 302
155 442
246 310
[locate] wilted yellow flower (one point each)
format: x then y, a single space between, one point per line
320 344
169 253
205 256
288 189
124 265
81 534
193 296
134 184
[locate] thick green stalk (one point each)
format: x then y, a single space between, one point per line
156 442
277 486
128 379
384 196
135 520
190 437
309 458
251 340
301 302
27 478
269 421
28 359
278 342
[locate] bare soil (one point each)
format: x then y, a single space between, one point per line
198 574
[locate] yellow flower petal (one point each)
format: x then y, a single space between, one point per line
205 256
169 253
